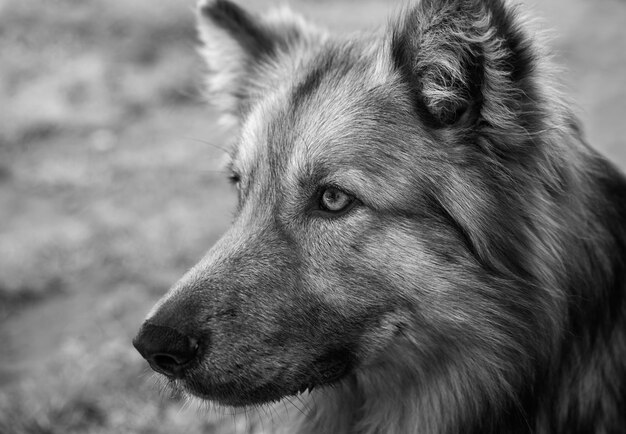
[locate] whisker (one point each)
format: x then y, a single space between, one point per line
211 144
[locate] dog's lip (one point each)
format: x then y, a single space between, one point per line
327 370
235 394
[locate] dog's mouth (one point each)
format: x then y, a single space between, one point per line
236 394
325 371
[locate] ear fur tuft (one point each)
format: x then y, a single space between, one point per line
243 51
244 28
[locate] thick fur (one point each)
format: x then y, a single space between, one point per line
477 282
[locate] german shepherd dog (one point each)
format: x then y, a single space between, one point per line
423 243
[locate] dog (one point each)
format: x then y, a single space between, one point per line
423 242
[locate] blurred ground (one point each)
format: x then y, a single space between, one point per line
110 188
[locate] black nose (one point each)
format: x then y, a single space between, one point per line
167 350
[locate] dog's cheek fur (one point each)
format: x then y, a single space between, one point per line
422 312
413 271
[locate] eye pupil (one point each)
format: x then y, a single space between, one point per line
335 200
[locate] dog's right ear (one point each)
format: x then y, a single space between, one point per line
243 51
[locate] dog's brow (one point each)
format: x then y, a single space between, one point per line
310 83
247 150
227 164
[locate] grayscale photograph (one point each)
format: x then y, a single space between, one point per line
313 217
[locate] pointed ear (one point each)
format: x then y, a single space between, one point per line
242 50
462 59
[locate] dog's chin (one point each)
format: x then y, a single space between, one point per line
240 393
237 396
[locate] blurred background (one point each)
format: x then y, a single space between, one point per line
110 188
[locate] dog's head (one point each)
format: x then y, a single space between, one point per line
373 212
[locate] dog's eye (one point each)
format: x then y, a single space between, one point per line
234 179
335 200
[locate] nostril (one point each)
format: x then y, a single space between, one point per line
167 364
173 363
166 350
164 360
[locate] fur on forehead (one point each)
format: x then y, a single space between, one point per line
341 92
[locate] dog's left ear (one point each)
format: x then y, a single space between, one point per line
244 51
462 59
